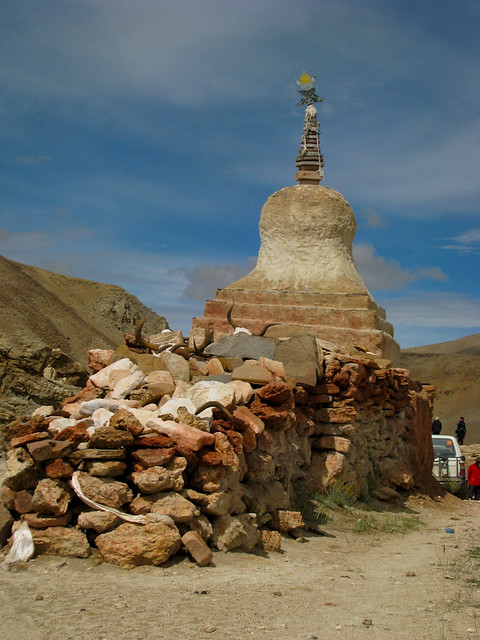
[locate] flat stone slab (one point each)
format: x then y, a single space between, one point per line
300 358
242 345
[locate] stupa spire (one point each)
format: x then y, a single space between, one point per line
309 159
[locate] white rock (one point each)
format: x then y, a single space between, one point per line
150 407
180 388
144 414
87 408
44 411
101 418
58 424
211 391
128 384
159 376
167 336
243 390
171 407
102 378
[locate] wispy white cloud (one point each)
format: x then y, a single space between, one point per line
380 273
373 219
469 241
205 279
429 317
435 310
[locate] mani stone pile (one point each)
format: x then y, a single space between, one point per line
165 452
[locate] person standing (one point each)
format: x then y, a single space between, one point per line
473 479
436 426
461 430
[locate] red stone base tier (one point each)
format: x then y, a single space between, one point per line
350 321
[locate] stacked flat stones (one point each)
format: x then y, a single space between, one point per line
160 479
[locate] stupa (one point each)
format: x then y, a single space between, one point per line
305 279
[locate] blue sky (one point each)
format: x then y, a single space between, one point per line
140 139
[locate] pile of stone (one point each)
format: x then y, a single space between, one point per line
172 449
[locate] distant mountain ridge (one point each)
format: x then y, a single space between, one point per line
468 345
48 322
68 313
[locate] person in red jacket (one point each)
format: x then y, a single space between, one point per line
473 478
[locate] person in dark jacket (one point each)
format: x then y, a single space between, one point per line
473 479
436 426
461 430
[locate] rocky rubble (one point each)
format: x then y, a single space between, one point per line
173 448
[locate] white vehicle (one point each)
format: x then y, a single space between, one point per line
448 463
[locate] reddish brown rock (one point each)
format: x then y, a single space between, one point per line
6 522
223 446
97 454
104 468
245 418
126 421
99 359
208 458
50 449
98 521
51 497
31 437
145 458
8 497
336 415
152 442
236 439
208 479
286 520
270 540
276 418
111 493
23 501
276 393
131 545
58 469
19 428
61 541
76 434
197 548
156 479
110 438
42 521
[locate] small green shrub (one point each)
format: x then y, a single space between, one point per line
308 504
365 523
399 523
389 523
338 494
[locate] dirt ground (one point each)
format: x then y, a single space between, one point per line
344 585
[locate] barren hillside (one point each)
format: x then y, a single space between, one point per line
454 368
48 322
67 313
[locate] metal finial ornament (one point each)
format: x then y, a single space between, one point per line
309 160
307 90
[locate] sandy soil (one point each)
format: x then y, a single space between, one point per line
345 585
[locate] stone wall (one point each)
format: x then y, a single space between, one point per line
167 452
